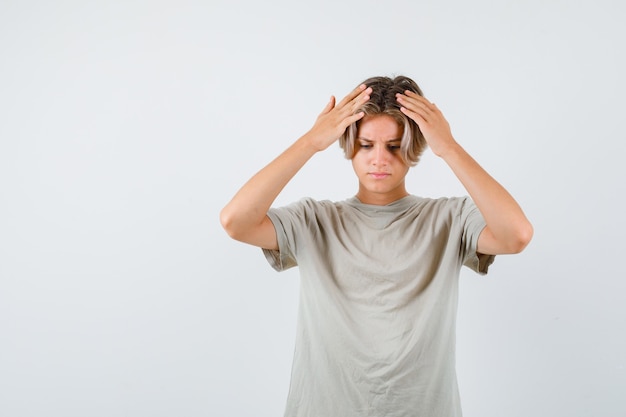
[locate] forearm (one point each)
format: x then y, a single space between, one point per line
244 217
506 222
508 230
250 204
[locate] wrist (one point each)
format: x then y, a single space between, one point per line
449 151
309 143
313 142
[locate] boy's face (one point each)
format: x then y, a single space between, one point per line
377 162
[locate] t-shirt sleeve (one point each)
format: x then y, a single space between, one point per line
473 224
287 221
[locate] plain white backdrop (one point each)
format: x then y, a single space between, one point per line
125 126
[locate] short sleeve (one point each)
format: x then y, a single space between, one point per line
473 224
287 221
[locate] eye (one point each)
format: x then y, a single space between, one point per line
393 148
365 145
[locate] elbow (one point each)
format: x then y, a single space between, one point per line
523 236
228 223
241 225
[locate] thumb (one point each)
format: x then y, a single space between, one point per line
330 105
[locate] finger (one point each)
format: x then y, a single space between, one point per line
409 96
330 105
427 103
419 106
416 109
353 94
351 106
413 94
415 116
358 101
352 119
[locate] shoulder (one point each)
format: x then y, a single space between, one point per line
307 207
451 204
448 210
309 203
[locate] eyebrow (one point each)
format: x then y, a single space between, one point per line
389 141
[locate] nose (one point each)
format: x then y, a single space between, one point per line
380 156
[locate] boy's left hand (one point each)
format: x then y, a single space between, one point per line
430 119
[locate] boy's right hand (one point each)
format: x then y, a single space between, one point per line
335 119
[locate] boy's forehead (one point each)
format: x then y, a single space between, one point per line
379 127
362 139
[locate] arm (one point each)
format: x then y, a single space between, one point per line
508 230
245 217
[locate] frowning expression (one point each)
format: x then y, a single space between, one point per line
377 162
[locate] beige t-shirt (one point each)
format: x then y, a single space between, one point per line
378 302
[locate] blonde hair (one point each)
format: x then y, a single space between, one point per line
383 102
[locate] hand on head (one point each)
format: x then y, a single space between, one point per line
429 118
335 118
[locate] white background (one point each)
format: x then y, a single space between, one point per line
125 126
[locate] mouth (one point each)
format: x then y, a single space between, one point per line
379 175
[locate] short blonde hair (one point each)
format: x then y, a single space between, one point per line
383 102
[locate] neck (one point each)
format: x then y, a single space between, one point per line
381 199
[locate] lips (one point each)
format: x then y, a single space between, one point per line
379 175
